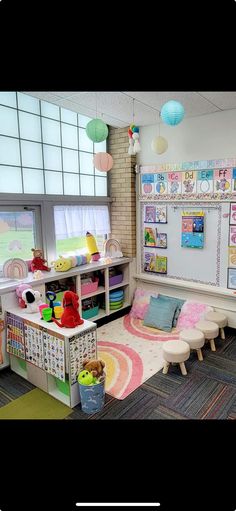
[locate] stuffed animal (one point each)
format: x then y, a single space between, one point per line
19 291
70 317
96 367
32 299
92 247
38 261
66 263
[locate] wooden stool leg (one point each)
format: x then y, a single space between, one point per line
183 368
212 343
222 333
166 368
199 354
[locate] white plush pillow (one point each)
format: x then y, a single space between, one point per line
191 313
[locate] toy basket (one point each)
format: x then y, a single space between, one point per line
90 313
92 397
89 287
116 279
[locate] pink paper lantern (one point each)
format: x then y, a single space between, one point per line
103 162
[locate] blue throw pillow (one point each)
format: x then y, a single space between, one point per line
179 305
160 314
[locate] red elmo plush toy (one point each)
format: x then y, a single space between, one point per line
38 261
70 317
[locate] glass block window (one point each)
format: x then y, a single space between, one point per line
44 149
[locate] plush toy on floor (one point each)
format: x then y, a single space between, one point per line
32 300
95 367
70 317
38 261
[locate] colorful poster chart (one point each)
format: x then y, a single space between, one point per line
34 344
232 278
189 182
232 236
160 181
54 356
232 257
149 237
82 347
155 263
161 214
174 182
161 239
223 179
232 220
234 179
150 214
148 184
205 181
192 230
15 336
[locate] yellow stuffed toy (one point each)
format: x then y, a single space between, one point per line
92 247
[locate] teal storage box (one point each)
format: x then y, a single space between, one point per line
90 313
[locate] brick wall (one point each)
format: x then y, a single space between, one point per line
122 191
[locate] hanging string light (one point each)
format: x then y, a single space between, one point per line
159 144
96 129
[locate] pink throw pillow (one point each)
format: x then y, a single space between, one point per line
191 313
141 303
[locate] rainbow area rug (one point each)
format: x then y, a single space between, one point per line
132 354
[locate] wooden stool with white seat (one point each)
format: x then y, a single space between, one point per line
218 318
175 352
195 338
210 331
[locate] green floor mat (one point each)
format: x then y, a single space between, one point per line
36 404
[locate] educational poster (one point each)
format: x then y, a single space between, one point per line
174 182
15 336
54 356
192 230
82 346
232 257
234 179
150 237
160 181
189 182
232 220
232 278
155 263
161 239
34 344
148 184
150 214
223 180
205 181
232 236
161 214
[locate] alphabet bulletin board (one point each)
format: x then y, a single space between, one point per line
188 221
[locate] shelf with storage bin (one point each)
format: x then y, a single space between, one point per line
119 285
125 304
99 291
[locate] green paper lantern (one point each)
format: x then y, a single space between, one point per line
97 130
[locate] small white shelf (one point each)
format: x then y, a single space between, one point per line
60 396
124 283
99 291
102 314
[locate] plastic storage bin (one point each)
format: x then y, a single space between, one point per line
63 386
116 279
90 313
89 287
92 397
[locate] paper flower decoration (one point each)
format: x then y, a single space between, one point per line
159 145
172 113
97 130
103 162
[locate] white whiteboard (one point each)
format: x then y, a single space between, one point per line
204 266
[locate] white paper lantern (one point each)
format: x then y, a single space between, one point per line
159 145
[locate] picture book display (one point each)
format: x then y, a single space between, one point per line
155 263
232 236
192 229
232 257
232 278
233 213
155 214
154 238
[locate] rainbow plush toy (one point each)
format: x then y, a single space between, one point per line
92 247
66 263
134 145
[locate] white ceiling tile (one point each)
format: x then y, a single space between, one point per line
224 100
